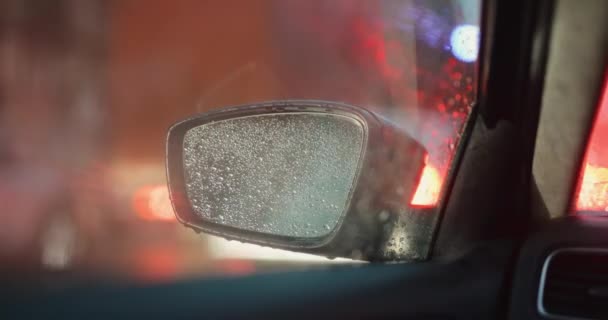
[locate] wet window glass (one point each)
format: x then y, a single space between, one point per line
88 90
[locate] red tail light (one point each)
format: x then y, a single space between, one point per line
428 188
153 203
592 194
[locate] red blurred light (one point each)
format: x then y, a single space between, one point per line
153 203
157 263
428 188
593 189
236 267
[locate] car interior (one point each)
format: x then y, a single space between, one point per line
514 239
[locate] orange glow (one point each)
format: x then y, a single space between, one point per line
153 203
158 263
593 192
593 189
429 187
236 267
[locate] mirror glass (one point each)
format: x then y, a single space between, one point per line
285 174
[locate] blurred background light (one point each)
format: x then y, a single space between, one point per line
428 188
592 195
153 203
464 42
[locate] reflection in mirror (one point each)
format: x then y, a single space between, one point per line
285 174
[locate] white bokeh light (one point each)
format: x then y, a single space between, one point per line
464 42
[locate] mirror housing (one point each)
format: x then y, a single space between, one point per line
356 173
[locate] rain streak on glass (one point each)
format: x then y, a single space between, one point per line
287 174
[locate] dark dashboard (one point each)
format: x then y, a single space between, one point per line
564 264
562 272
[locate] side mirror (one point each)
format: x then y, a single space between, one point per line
308 176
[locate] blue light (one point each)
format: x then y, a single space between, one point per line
464 41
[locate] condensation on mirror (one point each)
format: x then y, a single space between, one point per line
282 174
